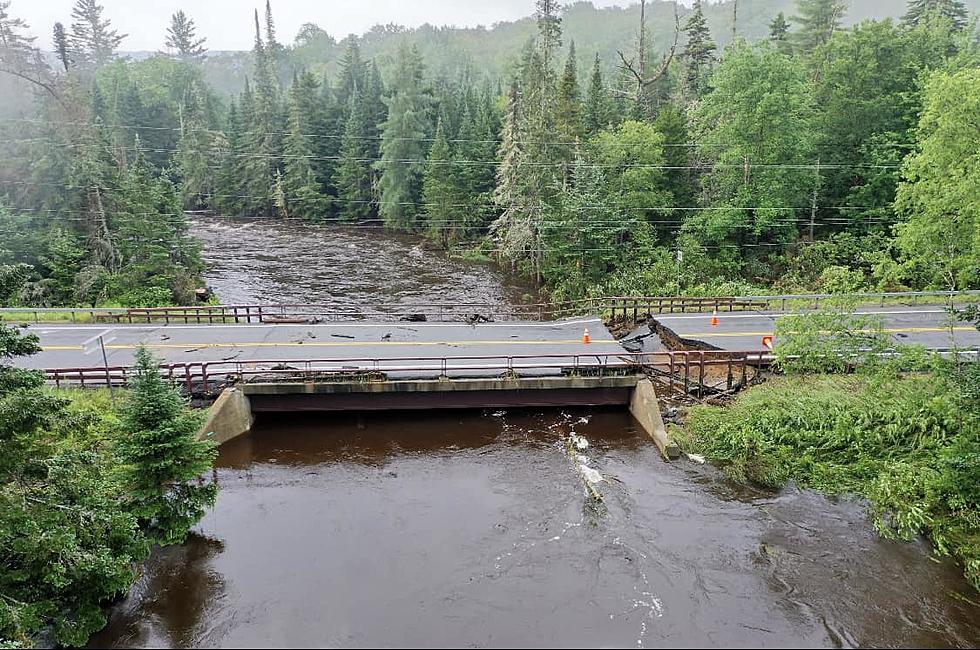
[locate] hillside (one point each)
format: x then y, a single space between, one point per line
492 50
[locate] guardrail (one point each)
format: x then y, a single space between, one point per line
680 370
611 307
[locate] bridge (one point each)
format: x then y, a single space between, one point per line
317 357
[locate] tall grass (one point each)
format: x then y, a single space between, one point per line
909 444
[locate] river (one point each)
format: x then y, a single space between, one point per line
476 528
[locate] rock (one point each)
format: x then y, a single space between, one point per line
414 318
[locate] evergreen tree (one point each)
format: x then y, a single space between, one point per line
402 162
61 47
375 109
548 17
302 194
699 51
818 20
568 121
275 52
15 47
353 181
265 130
181 37
439 190
228 181
92 39
198 146
162 459
598 113
352 75
952 10
779 28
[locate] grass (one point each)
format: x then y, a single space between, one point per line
909 444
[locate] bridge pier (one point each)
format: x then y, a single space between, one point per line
645 408
229 417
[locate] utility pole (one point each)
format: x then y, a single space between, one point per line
734 21
813 205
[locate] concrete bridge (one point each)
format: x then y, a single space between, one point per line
318 358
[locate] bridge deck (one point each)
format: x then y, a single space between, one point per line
923 325
462 345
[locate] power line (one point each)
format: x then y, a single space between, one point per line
379 138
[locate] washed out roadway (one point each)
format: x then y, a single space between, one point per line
65 346
924 325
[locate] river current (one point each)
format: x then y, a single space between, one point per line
503 528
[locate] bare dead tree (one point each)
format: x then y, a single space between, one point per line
637 66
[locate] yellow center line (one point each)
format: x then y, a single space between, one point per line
897 330
318 344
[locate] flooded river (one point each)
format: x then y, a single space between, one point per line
479 528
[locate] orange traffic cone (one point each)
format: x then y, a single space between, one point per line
714 318
585 337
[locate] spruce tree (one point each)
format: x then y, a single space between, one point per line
355 192
779 28
15 46
228 185
92 39
818 20
699 52
302 192
597 105
439 190
182 39
403 135
265 129
952 10
568 122
162 460
61 47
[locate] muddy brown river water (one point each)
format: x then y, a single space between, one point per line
476 528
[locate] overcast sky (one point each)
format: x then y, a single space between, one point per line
227 24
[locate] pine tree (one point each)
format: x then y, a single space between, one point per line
228 185
699 51
439 190
275 52
303 198
402 162
779 28
15 47
818 20
181 37
952 10
568 122
61 47
163 461
353 181
92 39
474 176
196 149
352 74
265 129
598 113
548 18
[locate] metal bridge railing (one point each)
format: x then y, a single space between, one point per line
611 307
681 370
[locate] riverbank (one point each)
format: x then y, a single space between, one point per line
908 444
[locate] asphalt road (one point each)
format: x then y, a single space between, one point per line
67 346
923 325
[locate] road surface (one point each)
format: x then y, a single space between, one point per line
923 325
67 346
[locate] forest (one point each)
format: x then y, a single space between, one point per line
715 149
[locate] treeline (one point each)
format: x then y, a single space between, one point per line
821 158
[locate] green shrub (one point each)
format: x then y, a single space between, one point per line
909 444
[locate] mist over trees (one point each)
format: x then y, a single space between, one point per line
669 159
